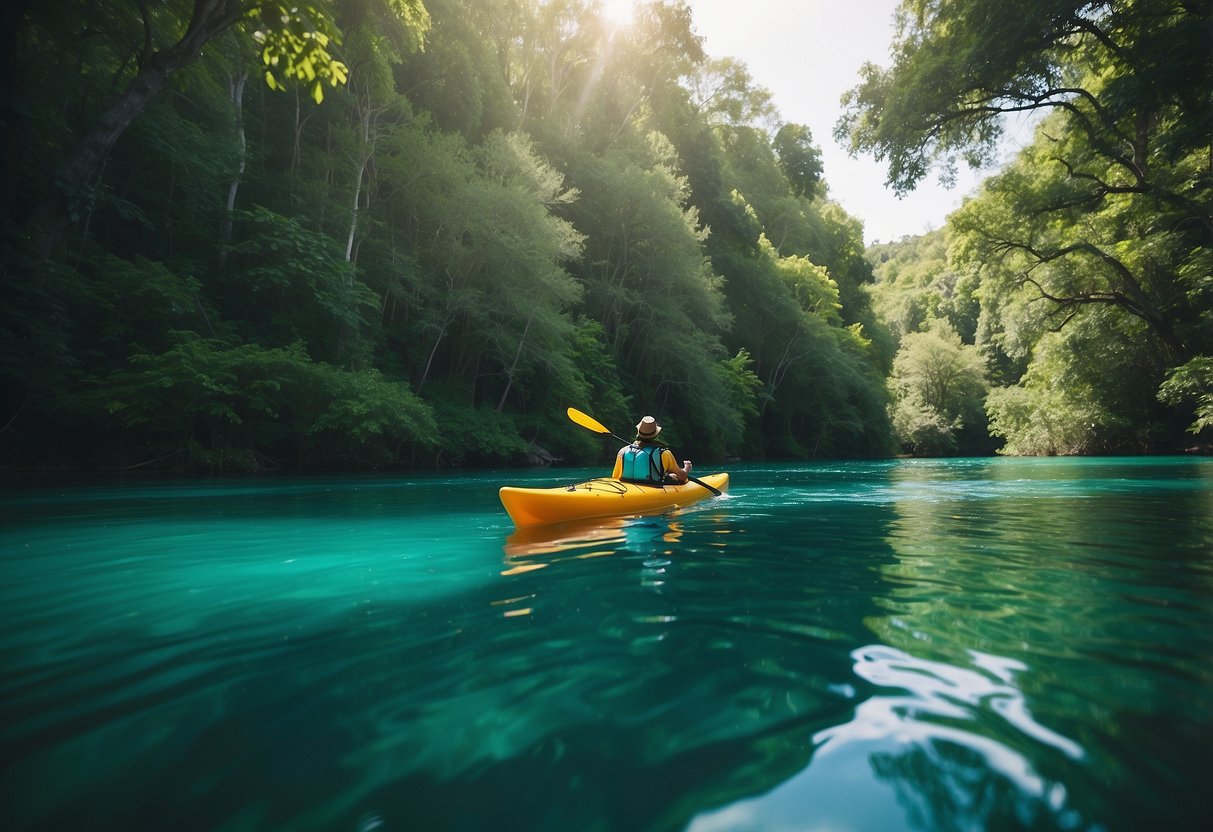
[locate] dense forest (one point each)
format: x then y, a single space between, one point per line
1066 308
251 234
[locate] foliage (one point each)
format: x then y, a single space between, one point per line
1192 381
959 64
722 91
939 388
648 283
428 263
1089 254
924 430
1088 389
240 406
603 394
741 385
288 283
294 44
811 286
799 159
916 284
473 433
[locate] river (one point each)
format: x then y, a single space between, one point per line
911 644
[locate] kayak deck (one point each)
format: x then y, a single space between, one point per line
603 497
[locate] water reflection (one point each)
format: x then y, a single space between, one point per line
527 547
936 693
945 738
571 537
1055 573
935 746
875 646
531 548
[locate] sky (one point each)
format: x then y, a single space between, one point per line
808 53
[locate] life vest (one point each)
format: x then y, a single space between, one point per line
642 464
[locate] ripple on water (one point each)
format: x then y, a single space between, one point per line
925 732
961 643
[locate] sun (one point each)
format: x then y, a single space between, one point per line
618 12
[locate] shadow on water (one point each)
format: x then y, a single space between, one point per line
866 646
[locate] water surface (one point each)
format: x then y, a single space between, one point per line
920 645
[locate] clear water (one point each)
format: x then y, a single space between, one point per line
922 645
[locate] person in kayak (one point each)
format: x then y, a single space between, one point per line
647 460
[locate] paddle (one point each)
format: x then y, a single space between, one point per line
590 423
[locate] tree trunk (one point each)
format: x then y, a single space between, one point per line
425 373
363 160
297 145
236 90
509 376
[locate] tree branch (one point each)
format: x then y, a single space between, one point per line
1132 300
1102 187
78 174
146 54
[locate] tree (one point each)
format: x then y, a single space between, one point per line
1112 205
294 43
1116 69
1036 227
939 388
476 236
916 283
1089 388
1193 380
799 159
222 408
462 78
723 92
649 284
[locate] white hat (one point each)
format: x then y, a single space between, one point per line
648 428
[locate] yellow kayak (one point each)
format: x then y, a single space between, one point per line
604 497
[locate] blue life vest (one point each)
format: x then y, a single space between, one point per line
642 464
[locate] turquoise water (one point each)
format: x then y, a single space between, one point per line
923 645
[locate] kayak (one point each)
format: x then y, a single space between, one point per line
603 497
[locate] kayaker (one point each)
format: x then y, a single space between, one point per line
648 460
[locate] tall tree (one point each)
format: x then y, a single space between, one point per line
799 159
939 389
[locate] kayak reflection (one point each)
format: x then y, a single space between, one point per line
592 537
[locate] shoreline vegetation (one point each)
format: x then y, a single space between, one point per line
254 236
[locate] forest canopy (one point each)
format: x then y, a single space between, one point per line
1084 270
247 235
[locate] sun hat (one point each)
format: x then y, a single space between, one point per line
648 428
